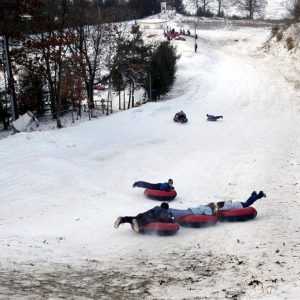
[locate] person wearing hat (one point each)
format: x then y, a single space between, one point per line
156 214
167 186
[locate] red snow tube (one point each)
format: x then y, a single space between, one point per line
160 228
235 215
197 221
160 195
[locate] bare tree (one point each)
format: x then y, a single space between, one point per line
205 5
93 35
197 4
201 4
44 51
294 9
221 5
251 7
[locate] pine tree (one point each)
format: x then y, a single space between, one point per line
32 94
163 68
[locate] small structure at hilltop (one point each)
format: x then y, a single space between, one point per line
166 5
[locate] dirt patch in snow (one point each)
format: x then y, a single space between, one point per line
193 274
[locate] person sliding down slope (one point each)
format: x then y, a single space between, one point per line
229 205
156 214
180 117
213 118
167 186
211 208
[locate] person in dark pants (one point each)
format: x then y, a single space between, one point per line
196 47
229 205
156 214
167 186
213 118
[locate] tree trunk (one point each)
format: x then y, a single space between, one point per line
129 98
132 97
124 100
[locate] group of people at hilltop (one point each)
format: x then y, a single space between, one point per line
164 213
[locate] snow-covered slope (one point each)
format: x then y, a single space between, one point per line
61 191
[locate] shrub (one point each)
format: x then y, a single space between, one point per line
207 13
289 43
235 17
279 36
275 30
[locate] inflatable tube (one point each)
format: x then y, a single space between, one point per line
160 195
180 120
160 228
237 215
196 221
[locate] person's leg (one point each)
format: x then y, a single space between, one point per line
219 117
122 220
147 185
254 197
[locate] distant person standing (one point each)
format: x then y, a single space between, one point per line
196 47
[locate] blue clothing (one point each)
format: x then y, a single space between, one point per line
153 186
254 197
165 187
199 210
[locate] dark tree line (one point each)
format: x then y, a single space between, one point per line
61 49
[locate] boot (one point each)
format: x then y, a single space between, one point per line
261 194
135 225
118 222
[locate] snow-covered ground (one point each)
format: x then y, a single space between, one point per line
62 190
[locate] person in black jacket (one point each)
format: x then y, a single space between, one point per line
156 214
213 118
180 117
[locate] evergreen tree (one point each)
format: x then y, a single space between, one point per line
163 68
178 6
130 63
32 94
